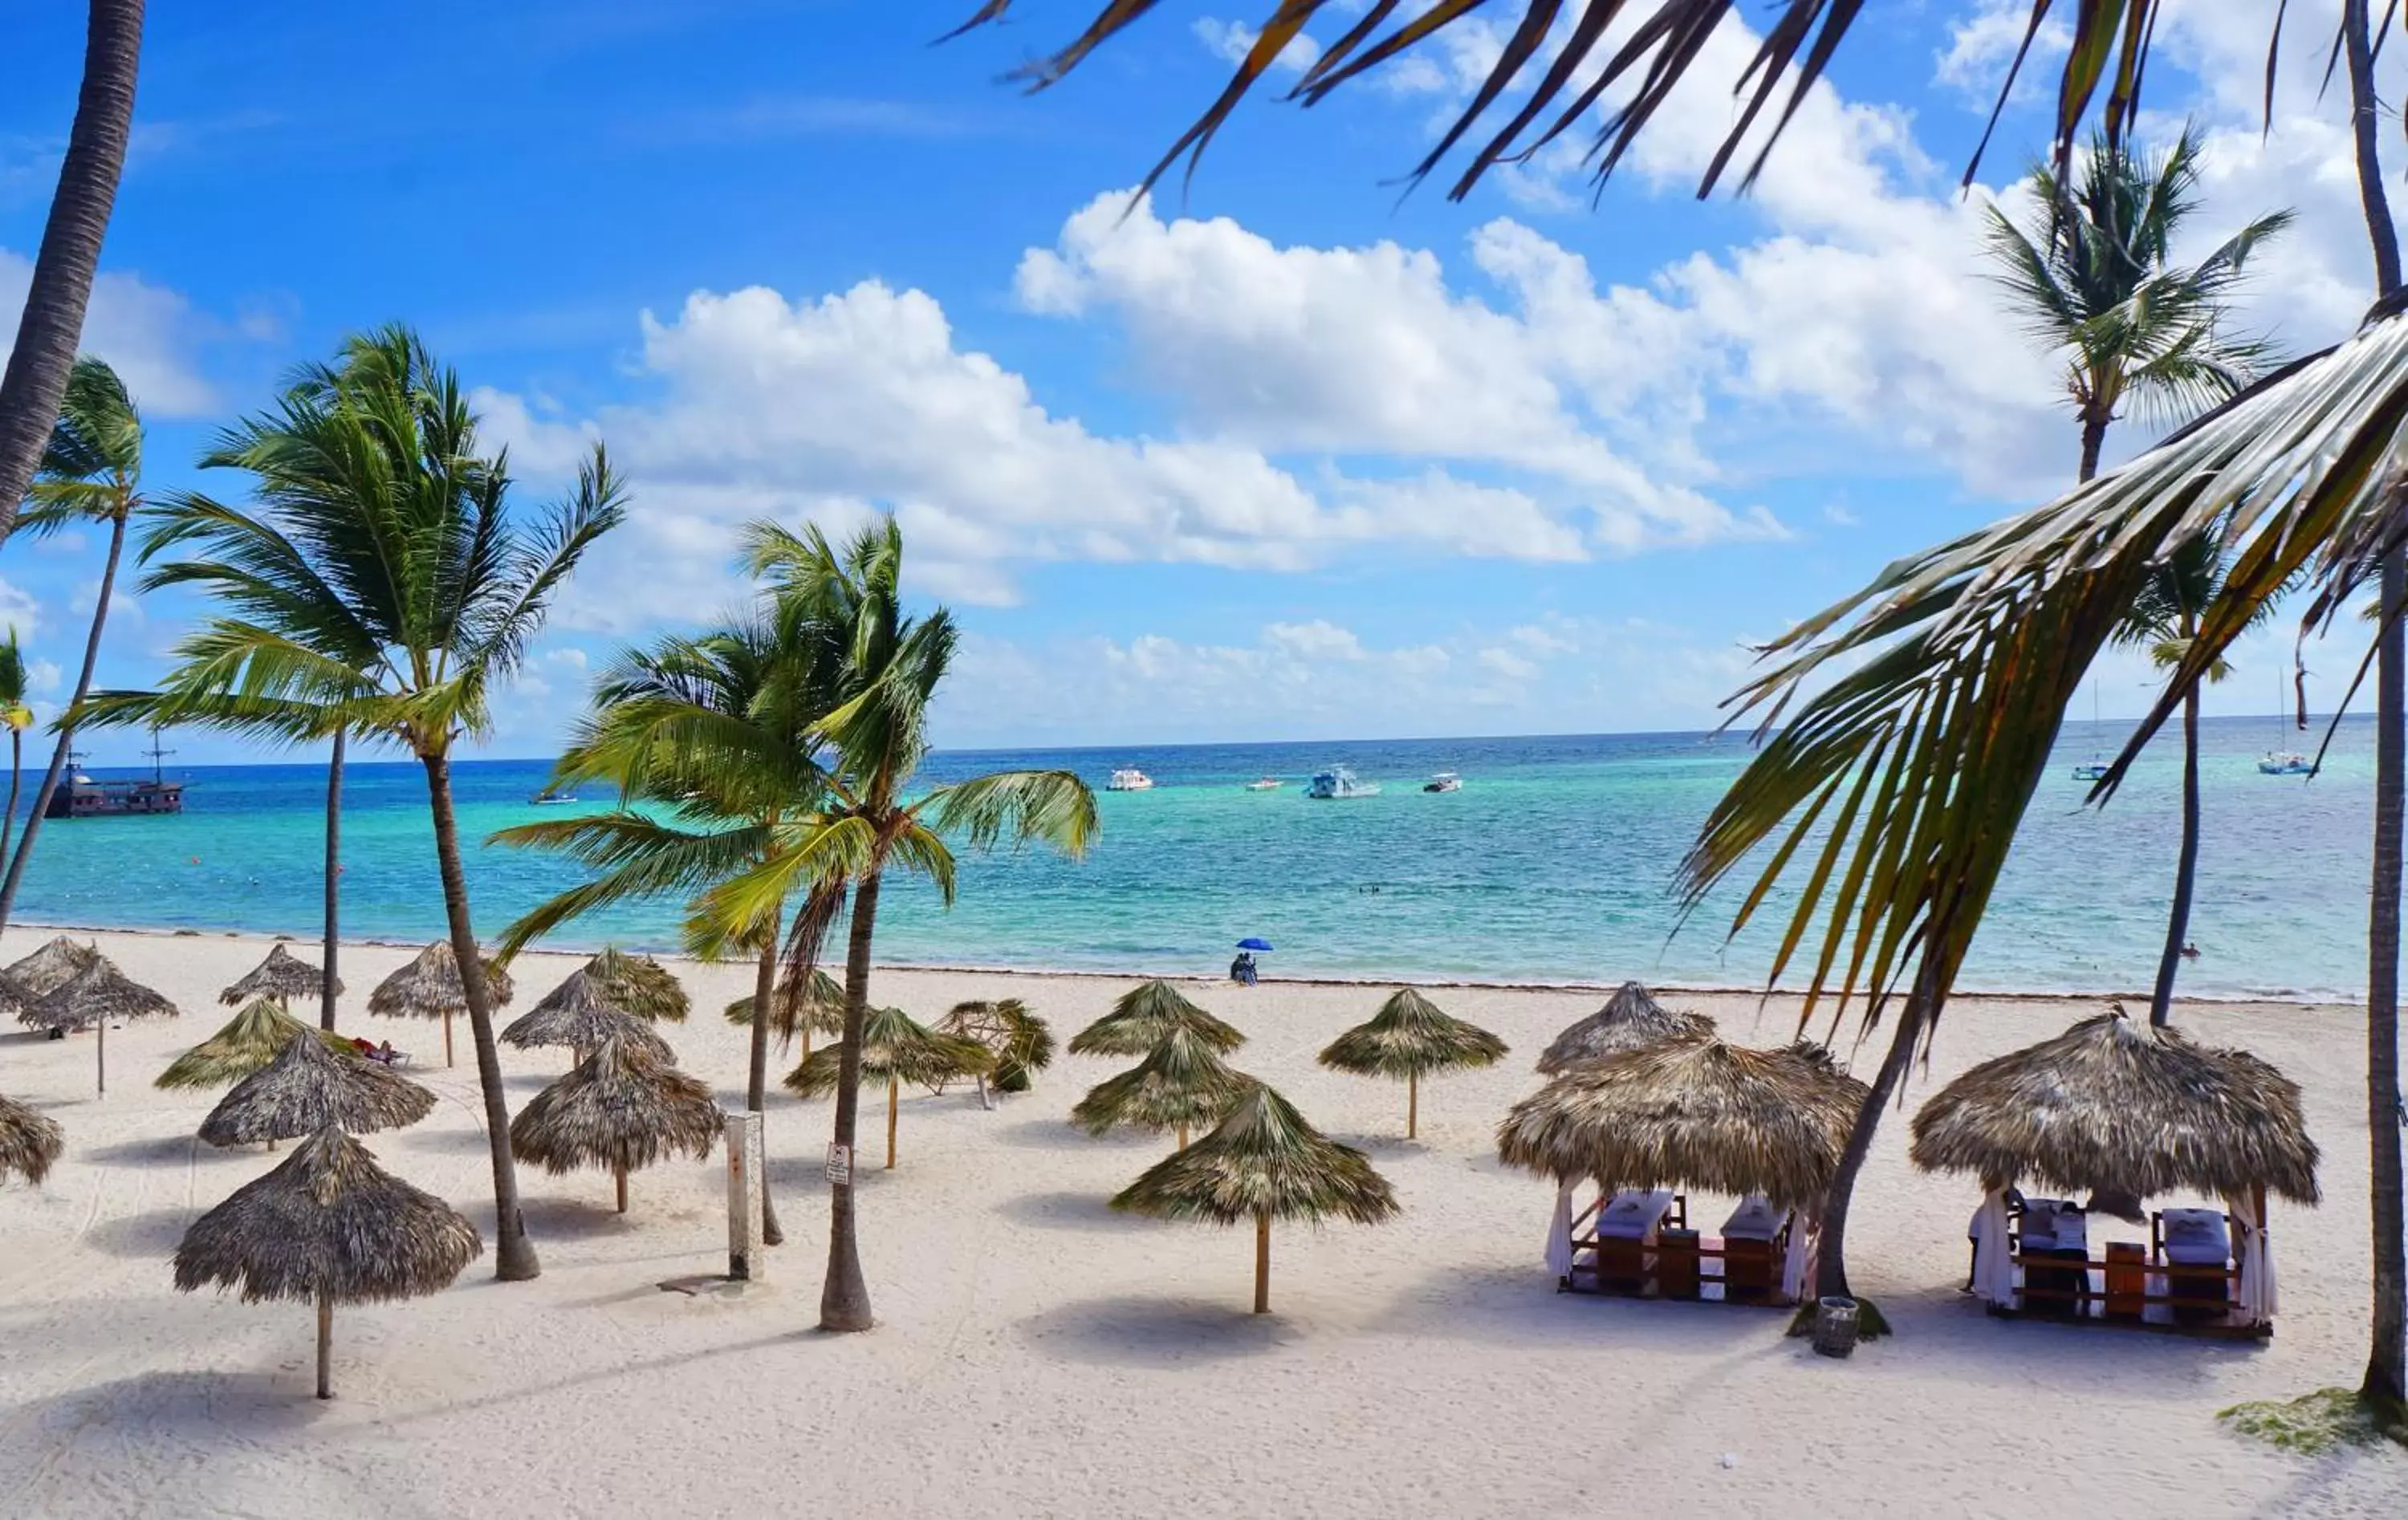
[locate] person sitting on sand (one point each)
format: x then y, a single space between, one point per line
1242 971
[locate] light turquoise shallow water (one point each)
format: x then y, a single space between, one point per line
1551 863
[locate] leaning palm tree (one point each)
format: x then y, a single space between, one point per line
2092 275
248 1042
1141 1016
709 743
1180 1084
17 717
622 1108
327 1226
1408 1035
886 667
42 360
1262 1162
30 1143
91 474
380 575
897 1048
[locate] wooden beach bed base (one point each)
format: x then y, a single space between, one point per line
2124 1307
1674 1270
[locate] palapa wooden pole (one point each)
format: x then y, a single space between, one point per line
1182 1134
325 1344
1413 1104
893 1101
1261 1261
619 1175
446 1037
100 1053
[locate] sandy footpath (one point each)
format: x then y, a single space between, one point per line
1036 1355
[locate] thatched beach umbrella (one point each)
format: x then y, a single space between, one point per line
328 1226
1021 1042
46 970
637 985
29 1141
2118 1107
898 1048
1180 1084
429 988
1690 1112
1262 1162
1629 1019
1142 1015
247 1042
622 1108
282 976
309 1085
1408 1037
581 1013
93 998
820 1012
16 999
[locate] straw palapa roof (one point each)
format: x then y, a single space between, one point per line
328 1220
16 999
1408 1035
99 991
1021 1042
1629 1019
636 986
581 1014
893 1044
29 1141
309 1085
247 1042
282 975
1181 1084
429 986
821 1012
621 1110
1690 1113
1142 1015
46 968
1262 1158
2119 1107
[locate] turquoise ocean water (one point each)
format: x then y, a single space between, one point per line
1553 863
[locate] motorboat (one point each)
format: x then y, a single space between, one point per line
1265 784
547 798
1338 783
2284 763
1129 778
2095 770
1445 781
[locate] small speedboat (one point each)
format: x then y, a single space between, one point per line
1129 778
1338 783
2095 770
546 797
1265 784
2284 763
1445 781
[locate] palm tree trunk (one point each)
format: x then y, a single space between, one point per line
844 1298
66 730
756 1081
334 882
514 1258
2094 434
2386 1363
52 324
1831 1249
16 779
2186 867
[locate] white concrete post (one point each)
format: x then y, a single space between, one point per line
746 1257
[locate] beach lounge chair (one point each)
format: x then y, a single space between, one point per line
2198 1238
1627 1229
1752 1251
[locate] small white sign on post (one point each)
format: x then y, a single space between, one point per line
745 1255
840 1165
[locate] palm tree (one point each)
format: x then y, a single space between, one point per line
890 668
43 357
2093 278
90 473
709 742
1940 897
18 717
380 577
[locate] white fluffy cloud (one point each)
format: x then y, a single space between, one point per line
149 334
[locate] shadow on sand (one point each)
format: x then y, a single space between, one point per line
203 1406
1083 1212
151 1236
1154 1331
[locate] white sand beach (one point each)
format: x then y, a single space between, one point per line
1036 1355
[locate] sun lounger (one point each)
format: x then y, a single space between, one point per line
1751 1258
2197 1238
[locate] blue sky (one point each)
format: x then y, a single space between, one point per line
1292 457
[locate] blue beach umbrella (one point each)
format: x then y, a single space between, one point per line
1253 943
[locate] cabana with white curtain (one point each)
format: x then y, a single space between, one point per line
2127 1114
1641 1126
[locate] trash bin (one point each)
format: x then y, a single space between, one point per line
1835 1326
